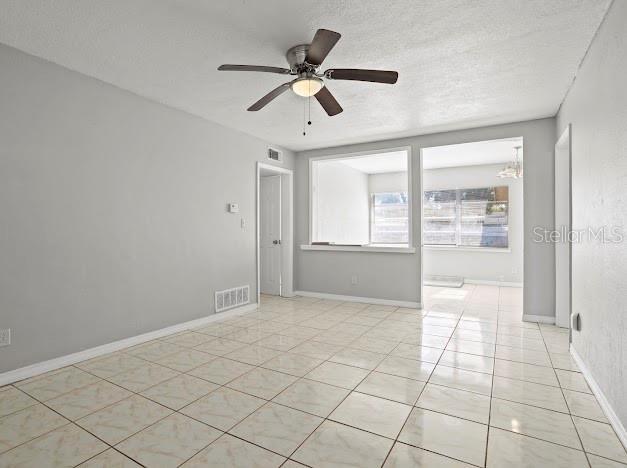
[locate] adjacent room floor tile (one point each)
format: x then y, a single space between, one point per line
263 383
600 439
223 408
179 391
454 402
311 396
234 453
391 387
169 442
406 456
339 375
337 445
454 437
507 449
535 422
120 420
277 428
372 414
529 393
66 446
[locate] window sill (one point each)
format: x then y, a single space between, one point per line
365 248
466 249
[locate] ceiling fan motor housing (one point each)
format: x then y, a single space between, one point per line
296 58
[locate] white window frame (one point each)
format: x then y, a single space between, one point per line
401 248
457 246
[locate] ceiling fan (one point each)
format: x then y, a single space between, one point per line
304 61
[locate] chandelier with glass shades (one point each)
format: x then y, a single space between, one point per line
514 169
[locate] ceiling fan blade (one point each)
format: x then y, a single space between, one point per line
322 43
328 102
358 74
261 103
254 68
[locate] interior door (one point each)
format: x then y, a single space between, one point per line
270 234
563 225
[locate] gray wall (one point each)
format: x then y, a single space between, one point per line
112 211
397 276
597 108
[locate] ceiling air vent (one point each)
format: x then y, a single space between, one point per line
275 155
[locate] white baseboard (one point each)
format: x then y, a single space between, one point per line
69 359
367 300
508 284
605 405
539 319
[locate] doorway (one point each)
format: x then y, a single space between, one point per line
274 231
473 227
563 222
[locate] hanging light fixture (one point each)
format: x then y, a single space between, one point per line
513 170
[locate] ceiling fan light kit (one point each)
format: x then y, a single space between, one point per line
304 61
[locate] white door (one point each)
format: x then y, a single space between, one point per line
270 234
562 225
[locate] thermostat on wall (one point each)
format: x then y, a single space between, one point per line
233 207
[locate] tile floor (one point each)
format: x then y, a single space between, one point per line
321 383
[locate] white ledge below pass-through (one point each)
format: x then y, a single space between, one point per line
355 248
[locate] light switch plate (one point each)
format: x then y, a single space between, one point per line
5 337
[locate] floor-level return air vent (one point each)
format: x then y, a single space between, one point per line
233 297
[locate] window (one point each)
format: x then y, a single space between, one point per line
476 217
389 218
361 199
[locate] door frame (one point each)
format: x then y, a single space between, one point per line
287 227
565 142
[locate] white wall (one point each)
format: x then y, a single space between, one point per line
113 216
596 105
341 203
330 272
487 265
388 182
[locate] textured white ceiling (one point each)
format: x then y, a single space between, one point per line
461 63
472 154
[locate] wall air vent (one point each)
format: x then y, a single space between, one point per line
234 297
275 155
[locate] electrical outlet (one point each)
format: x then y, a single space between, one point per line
5 337
354 280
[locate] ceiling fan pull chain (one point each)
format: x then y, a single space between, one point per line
304 114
